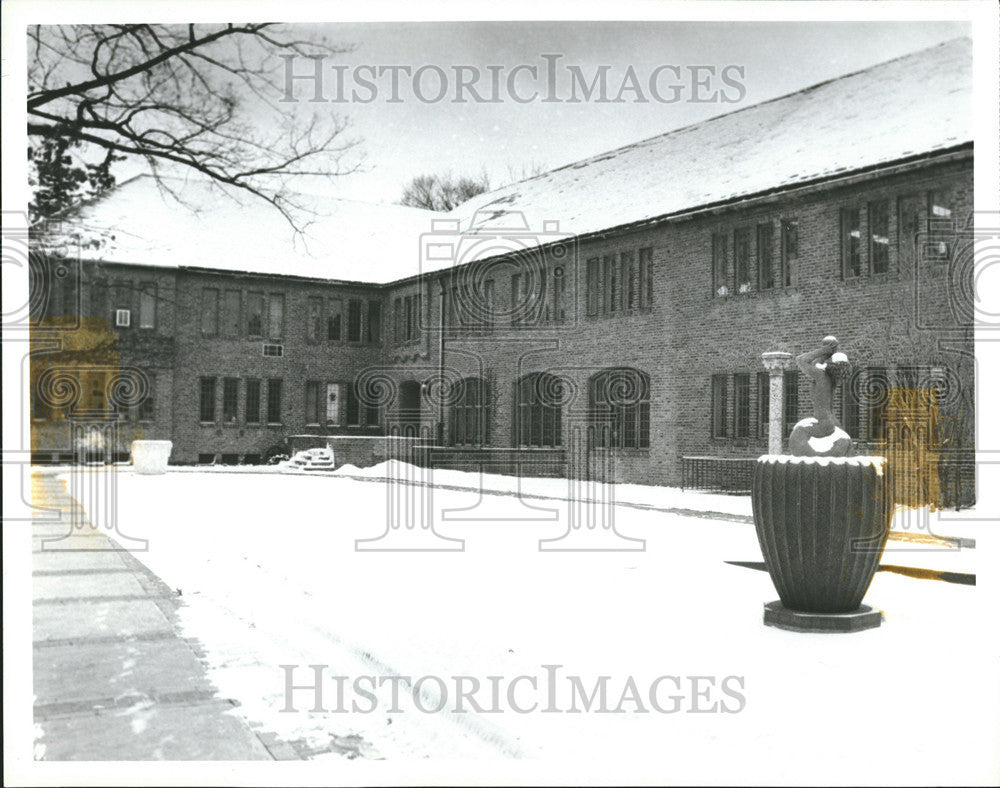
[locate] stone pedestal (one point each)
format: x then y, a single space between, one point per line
776 362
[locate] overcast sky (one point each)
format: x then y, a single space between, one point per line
419 134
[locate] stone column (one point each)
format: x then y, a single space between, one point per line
776 362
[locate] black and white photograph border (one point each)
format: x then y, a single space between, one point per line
438 393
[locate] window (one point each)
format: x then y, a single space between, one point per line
334 319
230 394
878 236
231 313
741 259
274 401
908 230
877 384
645 278
539 410
791 404
630 281
720 265
416 316
470 417
516 302
314 320
397 320
741 405
719 395
940 225
353 320
609 271
272 351
593 285
210 311
619 408
123 296
313 403
789 248
352 408
850 418
147 305
206 406
372 414
489 308
255 315
275 316
763 404
769 278
451 308
850 242
99 300
253 401
374 332
147 411
558 314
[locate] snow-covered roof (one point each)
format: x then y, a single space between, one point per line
916 104
907 107
205 226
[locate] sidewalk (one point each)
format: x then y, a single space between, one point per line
113 679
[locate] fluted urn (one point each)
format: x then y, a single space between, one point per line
822 523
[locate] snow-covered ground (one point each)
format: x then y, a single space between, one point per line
267 565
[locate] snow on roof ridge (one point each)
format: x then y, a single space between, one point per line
689 126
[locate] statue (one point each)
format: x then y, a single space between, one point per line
821 435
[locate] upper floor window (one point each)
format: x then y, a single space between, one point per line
255 315
850 242
354 320
878 236
334 318
940 224
210 311
789 248
769 275
620 282
147 305
720 265
315 320
741 259
231 313
373 332
275 316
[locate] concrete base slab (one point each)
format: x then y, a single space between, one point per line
88 674
81 620
777 615
69 586
202 732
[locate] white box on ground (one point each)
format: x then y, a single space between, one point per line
150 457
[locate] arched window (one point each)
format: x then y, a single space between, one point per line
619 408
470 415
538 408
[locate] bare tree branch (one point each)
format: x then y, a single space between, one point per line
205 97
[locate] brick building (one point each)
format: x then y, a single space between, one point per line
610 314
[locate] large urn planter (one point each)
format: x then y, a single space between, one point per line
822 523
151 457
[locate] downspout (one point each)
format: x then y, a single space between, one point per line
441 324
